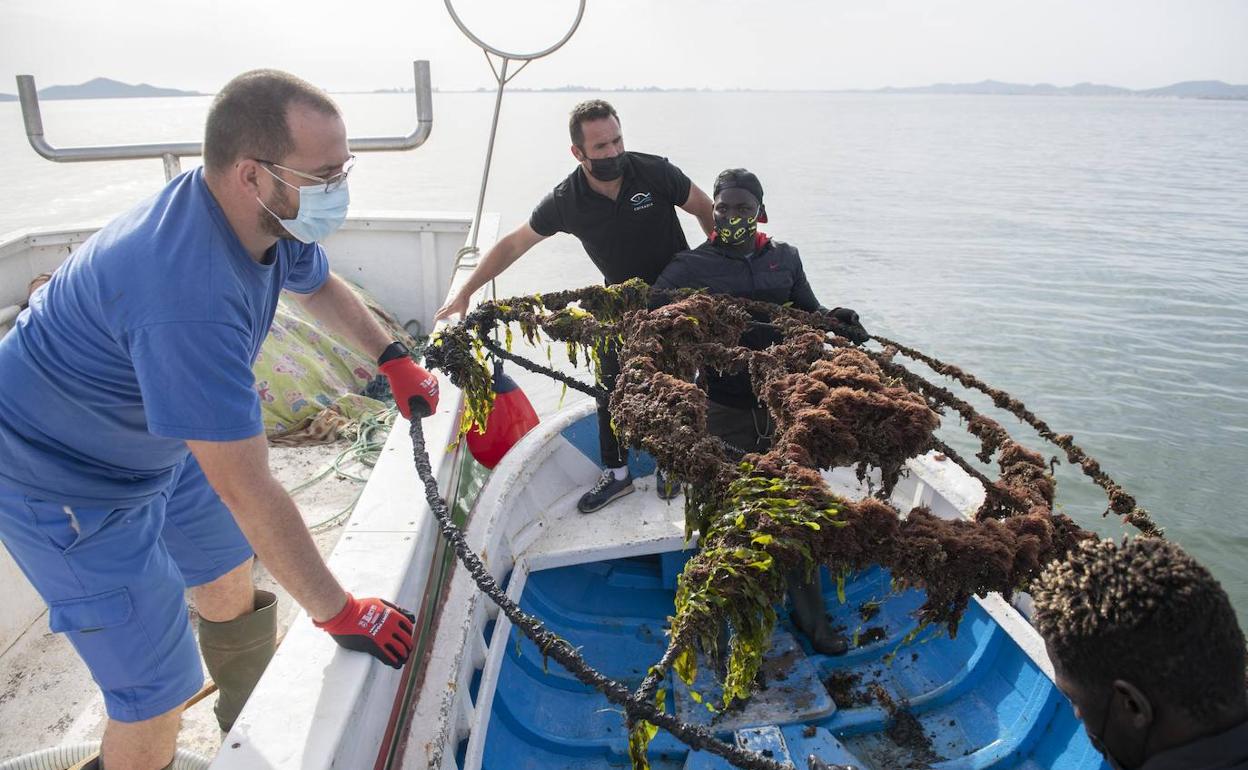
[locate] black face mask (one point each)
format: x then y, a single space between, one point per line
735 230
1098 742
608 169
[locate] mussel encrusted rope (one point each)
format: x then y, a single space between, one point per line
765 514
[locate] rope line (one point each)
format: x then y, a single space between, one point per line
364 449
553 646
1120 502
492 345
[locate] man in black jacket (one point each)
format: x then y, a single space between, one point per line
739 260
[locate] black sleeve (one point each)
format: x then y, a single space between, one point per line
547 219
671 277
802 296
678 185
668 280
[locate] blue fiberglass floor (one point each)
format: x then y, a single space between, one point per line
979 699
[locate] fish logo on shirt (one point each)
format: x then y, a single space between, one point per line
641 200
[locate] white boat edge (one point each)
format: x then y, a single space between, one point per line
318 706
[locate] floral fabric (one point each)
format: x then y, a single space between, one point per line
304 368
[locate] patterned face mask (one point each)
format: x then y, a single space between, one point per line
736 230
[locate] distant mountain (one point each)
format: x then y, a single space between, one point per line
1199 89
104 88
1095 89
1194 89
997 88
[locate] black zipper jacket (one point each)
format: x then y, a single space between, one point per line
772 273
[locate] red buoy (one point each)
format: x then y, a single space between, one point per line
511 418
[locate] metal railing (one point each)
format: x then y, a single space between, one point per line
172 152
501 76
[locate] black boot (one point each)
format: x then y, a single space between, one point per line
810 615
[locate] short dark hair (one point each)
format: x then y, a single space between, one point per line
248 117
1145 612
593 109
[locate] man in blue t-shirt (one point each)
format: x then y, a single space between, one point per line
133 460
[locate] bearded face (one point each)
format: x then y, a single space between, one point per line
283 202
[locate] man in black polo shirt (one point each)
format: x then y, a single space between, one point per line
622 207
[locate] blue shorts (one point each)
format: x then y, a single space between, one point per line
115 581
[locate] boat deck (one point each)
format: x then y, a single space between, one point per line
900 698
978 701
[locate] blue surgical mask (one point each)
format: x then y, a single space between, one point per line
320 212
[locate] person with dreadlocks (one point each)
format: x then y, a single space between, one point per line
1146 645
740 261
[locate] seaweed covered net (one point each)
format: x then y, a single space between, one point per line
762 515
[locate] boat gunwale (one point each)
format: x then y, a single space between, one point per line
317 734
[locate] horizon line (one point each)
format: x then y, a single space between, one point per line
574 88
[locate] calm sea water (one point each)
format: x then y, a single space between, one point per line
1088 255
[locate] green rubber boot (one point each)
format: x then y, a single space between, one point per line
236 653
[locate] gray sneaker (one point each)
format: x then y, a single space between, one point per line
664 485
606 489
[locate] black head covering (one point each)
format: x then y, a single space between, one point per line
739 177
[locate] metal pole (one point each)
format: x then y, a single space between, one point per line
489 152
173 166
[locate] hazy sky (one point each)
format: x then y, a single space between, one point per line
801 44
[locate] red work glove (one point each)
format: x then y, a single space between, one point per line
375 626
407 380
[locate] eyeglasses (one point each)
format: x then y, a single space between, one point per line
332 183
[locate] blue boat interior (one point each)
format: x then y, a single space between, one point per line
897 700
974 701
